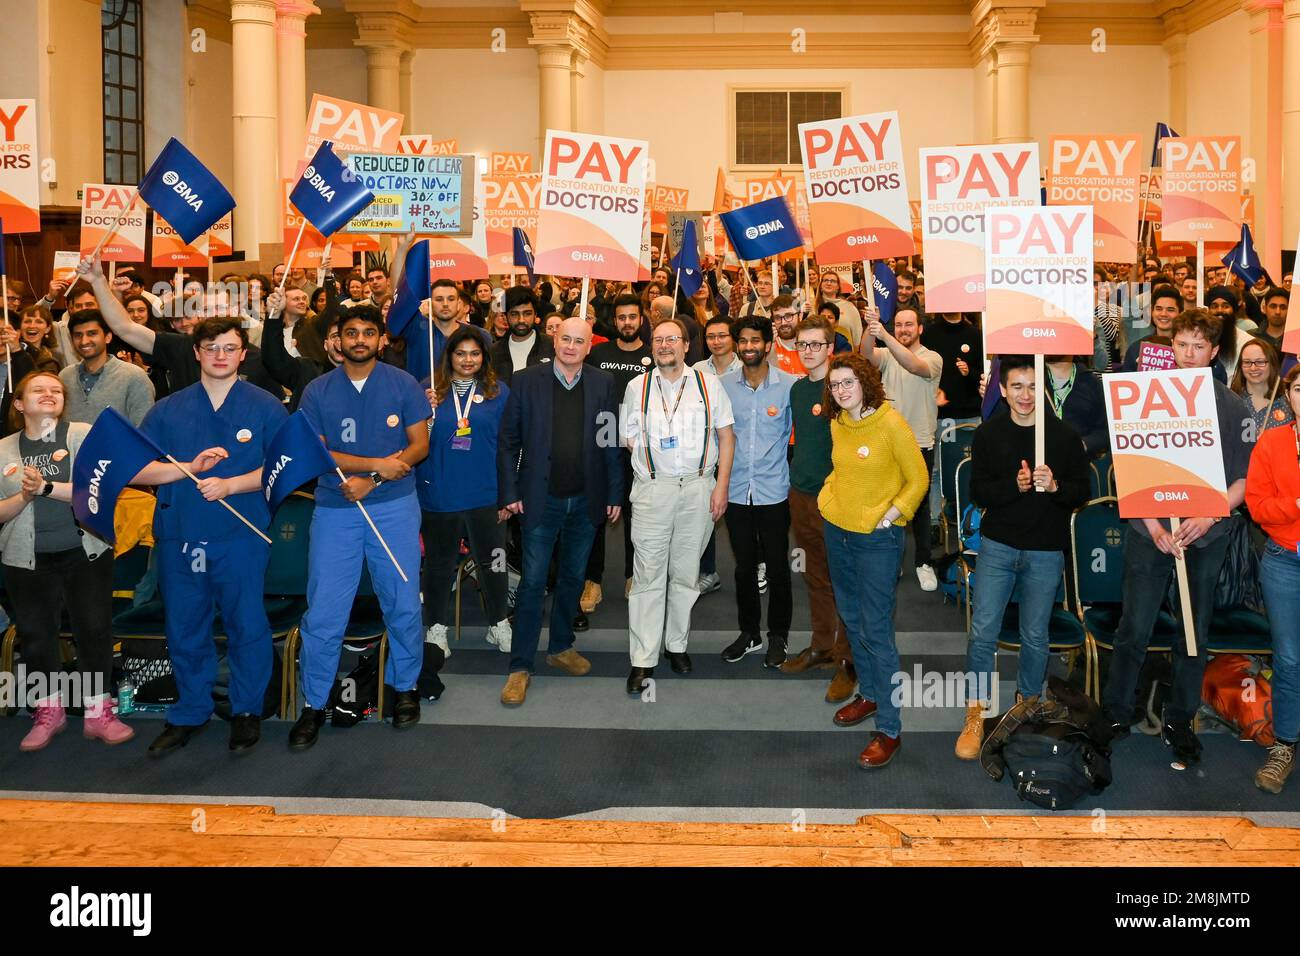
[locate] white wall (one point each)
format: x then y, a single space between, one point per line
1218 80
340 73
487 101
166 39
1074 91
684 113
209 108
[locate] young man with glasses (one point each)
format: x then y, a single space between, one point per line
784 319
810 463
911 373
525 346
676 421
758 512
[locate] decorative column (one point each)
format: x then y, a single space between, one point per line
383 73
565 41
1290 121
1006 35
1175 45
404 88
255 132
291 79
1265 98
990 92
555 88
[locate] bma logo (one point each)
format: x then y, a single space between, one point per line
442 263
753 232
1172 496
318 183
182 189
275 473
92 501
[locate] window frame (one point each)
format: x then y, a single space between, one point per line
796 162
129 162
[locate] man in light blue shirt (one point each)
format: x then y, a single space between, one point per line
758 510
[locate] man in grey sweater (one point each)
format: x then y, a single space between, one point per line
101 380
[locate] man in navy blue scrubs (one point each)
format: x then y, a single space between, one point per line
207 559
373 418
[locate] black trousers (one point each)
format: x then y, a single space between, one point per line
596 561
442 532
65 579
921 520
761 533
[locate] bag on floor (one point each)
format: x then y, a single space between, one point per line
429 685
151 672
355 697
1240 696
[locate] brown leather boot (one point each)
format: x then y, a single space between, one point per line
842 685
854 712
880 751
806 660
516 689
972 733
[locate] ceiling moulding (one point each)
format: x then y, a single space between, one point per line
772 50
1194 15
769 8
442 28
212 16
1124 23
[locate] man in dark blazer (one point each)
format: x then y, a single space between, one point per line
560 472
525 346
22 364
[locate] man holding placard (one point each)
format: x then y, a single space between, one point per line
1181 457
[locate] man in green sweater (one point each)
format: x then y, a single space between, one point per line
101 380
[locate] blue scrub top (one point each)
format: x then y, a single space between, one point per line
371 423
184 424
458 479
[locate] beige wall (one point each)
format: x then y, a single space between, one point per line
1127 91
339 73
72 133
167 41
1218 80
209 106
499 114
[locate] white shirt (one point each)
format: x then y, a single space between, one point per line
706 365
916 397
685 431
519 351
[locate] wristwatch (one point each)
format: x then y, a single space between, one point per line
886 523
374 476
48 489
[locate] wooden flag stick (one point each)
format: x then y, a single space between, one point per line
288 266
1184 595
868 281
225 504
370 521
9 364
121 217
1040 438
586 297
678 281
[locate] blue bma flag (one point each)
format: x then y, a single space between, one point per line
111 455
524 253
182 190
1162 132
761 230
686 261
412 290
885 284
295 456
1244 260
328 193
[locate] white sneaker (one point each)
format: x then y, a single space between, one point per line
762 578
500 635
929 580
437 634
708 583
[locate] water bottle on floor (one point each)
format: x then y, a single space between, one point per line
126 696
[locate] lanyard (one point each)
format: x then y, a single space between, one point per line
462 417
668 416
1059 395
1295 433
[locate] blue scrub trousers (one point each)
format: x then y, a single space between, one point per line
197 579
340 540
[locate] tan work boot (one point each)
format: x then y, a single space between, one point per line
591 596
1281 761
842 685
516 689
972 732
570 661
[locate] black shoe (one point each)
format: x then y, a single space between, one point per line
745 644
172 738
580 623
304 732
1119 731
1180 736
680 663
406 709
245 732
775 656
637 678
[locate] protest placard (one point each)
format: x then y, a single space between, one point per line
1103 172
1201 189
20 183
351 127
432 195
101 210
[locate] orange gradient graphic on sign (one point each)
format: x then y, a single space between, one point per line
20 185
1201 189
1102 172
1164 433
100 206
169 251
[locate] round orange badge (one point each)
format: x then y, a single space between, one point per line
11 469
1279 415
59 455
243 435
817 409
864 451
392 421
772 411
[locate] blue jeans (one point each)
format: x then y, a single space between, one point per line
566 519
864 576
1032 579
1279 575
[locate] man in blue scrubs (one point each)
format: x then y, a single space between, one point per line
373 417
207 559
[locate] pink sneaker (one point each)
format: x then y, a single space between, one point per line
50 720
102 724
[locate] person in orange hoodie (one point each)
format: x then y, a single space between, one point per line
1273 497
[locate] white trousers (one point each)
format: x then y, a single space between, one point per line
669 535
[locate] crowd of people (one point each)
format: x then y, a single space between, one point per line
507 418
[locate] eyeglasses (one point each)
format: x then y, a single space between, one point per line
666 340
1254 363
844 385
214 349
783 316
717 336
810 346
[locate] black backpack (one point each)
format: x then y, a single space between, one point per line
1055 765
355 697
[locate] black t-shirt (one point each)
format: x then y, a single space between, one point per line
56 528
953 341
623 365
174 353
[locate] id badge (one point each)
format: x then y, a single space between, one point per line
460 442
463 432
669 443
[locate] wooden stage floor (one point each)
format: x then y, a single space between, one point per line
40 833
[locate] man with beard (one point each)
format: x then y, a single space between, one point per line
910 373
524 347
99 380
758 512
626 357
676 422
373 419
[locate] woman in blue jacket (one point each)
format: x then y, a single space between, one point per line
457 485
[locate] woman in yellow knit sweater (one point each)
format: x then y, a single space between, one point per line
878 479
